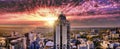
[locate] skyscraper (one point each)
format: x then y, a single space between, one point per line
62 33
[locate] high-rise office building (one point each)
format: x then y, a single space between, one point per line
61 33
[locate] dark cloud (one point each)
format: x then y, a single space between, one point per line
82 12
30 5
109 21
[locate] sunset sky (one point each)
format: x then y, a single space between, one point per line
85 13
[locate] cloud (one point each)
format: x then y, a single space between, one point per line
39 23
112 21
79 12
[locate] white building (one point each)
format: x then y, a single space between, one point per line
61 33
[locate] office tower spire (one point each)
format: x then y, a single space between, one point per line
61 33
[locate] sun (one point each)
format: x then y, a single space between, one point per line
50 21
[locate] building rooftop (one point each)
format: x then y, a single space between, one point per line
62 17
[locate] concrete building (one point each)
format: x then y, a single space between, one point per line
13 42
61 33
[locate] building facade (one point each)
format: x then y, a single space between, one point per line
62 33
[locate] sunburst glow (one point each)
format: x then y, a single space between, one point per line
45 12
49 21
